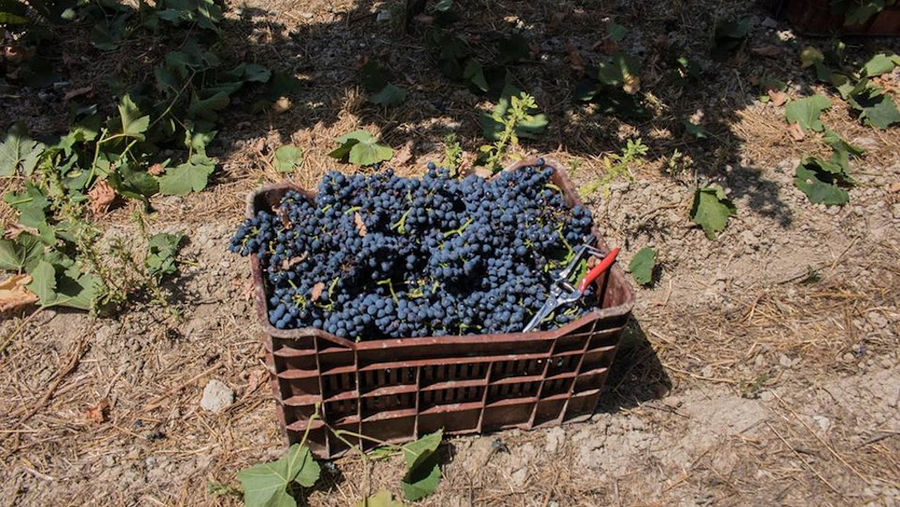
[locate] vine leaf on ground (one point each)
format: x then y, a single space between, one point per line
806 112
382 498
134 124
423 471
390 95
18 151
361 148
287 158
821 180
43 283
266 484
837 143
882 114
641 266
711 210
22 254
880 64
187 177
161 251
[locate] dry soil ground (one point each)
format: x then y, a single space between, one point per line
760 368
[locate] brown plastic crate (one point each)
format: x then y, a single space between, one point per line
399 389
815 17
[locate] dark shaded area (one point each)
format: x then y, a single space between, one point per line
636 376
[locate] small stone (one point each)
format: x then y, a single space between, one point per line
822 421
520 476
707 371
769 23
555 438
216 396
766 396
784 361
848 357
383 15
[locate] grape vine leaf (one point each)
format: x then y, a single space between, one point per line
711 209
837 143
729 36
287 157
23 253
882 114
18 151
161 252
806 112
266 484
819 180
390 95
43 282
880 64
133 123
381 498
474 73
641 266
423 471
361 148
187 177
209 107
810 56
862 11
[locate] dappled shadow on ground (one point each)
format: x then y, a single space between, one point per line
636 376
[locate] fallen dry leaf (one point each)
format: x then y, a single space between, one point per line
769 50
14 294
796 131
256 378
101 196
404 154
317 291
778 98
16 54
360 224
575 59
71 94
12 231
99 413
482 172
293 261
155 169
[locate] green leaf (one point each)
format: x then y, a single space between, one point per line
837 143
390 95
43 283
819 185
374 77
423 470
711 210
13 12
526 129
641 266
810 56
187 177
197 136
133 183
18 151
21 254
133 123
76 289
729 36
161 252
806 112
882 114
382 498
474 73
209 107
616 31
267 484
512 49
860 13
361 148
695 130
287 158
251 72
879 64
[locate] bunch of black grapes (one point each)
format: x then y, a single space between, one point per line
386 256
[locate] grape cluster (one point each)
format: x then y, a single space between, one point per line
386 256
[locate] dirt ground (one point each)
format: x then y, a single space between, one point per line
761 368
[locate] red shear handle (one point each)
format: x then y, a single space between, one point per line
598 270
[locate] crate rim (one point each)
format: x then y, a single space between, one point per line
261 302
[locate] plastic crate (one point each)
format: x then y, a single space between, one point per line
815 17
396 390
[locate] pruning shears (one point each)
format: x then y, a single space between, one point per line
562 292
